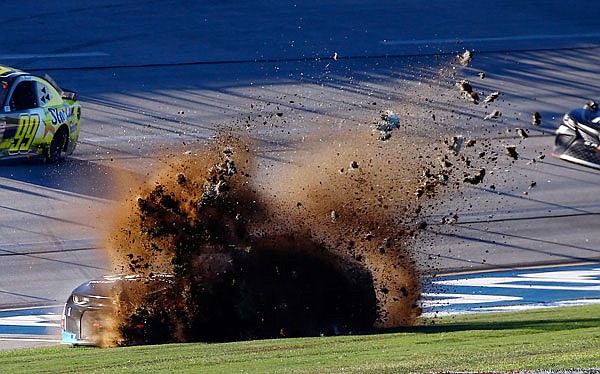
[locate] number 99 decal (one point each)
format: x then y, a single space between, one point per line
28 126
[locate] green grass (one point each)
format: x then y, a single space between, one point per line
541 339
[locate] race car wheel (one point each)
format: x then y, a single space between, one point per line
562 142
57 147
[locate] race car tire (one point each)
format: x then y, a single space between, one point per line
55 152
563 141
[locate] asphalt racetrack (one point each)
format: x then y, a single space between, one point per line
154 80
493 291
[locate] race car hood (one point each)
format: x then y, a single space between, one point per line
97 288
109 286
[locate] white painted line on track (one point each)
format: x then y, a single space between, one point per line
31 308
491 39
36 320
507 282
513 290
573 280
460 298
19 56
506 308
33 340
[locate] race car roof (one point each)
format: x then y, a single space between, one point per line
105 286
95 288
8 74
7 71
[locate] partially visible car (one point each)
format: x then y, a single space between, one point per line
578 136
37 116
89 312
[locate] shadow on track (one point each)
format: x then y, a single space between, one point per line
74 176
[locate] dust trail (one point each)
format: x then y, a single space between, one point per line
356 197
320 252
316 248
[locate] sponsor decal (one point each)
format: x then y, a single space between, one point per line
48 129
61 115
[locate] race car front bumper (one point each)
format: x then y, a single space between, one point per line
82 326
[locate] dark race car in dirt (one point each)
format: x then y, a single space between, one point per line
257 294
89 313
578 137
37 117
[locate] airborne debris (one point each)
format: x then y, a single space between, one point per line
522 133
427 187
390 122
445 163
493 115
467 91
475 179
511 151
450 221
457 142
491 97
430 181
536 118
465 58
249 251
334 215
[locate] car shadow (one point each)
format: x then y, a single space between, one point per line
72 175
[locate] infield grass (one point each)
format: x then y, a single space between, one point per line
556 338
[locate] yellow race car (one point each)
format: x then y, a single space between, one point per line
37 116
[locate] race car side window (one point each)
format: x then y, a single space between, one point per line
24 96
48 96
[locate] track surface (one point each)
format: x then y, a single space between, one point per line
152 79
512 290
494 291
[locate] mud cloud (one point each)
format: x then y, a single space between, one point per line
260 250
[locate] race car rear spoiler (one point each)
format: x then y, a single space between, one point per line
64 93
68 94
